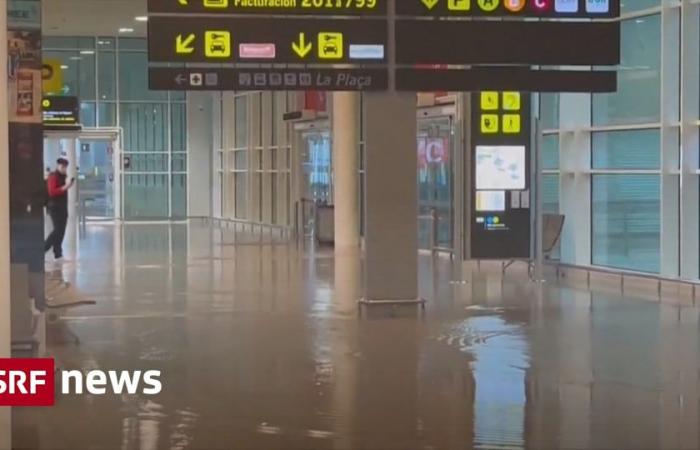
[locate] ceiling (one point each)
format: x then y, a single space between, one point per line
92 17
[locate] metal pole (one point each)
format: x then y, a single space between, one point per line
539 232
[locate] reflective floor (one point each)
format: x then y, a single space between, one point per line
262 347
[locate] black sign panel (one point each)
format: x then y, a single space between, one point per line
505 78
508 42
500 175
265 40
511 8
61 111
267 79
286 7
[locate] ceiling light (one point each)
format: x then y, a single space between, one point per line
87 52
126 30
64 67
141 18
75 58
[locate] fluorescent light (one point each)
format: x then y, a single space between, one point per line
75 58
64 67
87 52
126 30
141 18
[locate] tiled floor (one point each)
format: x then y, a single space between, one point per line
262 346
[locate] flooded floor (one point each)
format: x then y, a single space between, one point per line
263 347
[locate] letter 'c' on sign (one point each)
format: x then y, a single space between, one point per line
542 5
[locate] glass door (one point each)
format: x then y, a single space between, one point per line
96 178
435 183
317 175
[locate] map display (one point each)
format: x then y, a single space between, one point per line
500 167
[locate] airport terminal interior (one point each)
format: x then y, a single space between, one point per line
308 268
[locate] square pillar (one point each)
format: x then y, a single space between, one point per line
391 198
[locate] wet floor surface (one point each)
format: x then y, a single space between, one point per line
263 347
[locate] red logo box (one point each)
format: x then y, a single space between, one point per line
27 382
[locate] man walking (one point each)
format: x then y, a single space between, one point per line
57 205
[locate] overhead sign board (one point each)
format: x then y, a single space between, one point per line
217 79
266 40
508 42
585 9
282 7
505 78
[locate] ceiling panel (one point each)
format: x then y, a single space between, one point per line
92 17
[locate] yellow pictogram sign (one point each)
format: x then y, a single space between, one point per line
46 103
511 123
183 44
330 45
459 5
430 4
184 2
511 101
488 5
217 44
489 101
489 123
301 47
216 3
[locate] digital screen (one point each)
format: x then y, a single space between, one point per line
299 7
501 167
491 201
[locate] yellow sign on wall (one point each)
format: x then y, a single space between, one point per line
511 123
489 123
52 76
489 101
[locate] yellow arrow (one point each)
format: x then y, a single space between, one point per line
302 48
430 4
184 46
184 2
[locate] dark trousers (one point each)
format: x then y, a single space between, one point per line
59 218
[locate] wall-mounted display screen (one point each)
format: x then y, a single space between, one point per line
501 167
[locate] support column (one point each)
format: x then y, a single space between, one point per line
391 198
346 170
5 425
199 154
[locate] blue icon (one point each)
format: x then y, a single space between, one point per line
566 6
598 6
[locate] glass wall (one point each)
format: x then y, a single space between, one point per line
642 197
256 158
110 77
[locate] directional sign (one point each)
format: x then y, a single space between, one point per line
298 7
500 145
214 79
222 39
589 9
507 42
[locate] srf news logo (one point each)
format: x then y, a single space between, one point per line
32 382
